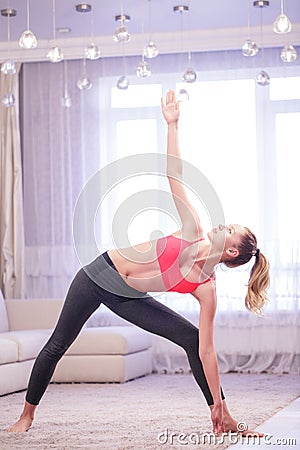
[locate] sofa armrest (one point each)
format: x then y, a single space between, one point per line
32 314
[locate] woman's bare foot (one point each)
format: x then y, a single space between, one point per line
236 427
239 427
22 425
25 421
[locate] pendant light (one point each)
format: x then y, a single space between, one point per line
183 95
8 66
123 82
288 54
8 99
143 69
189 75
282 23
249 47
151 49
84 82
121 34
92 50
263 78
28 39
55 54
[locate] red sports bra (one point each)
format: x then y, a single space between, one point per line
168 250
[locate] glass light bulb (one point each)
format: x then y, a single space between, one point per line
55 55
92 52
28 40
263 79
183 96
189 75
123 83
151 50
84 83
288 54
9 100
66 101
143 70
121 34
282 24
8 67
249 48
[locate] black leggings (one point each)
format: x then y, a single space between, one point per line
86 293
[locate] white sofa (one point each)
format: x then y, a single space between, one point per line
100 354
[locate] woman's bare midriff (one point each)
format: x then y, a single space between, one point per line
139 267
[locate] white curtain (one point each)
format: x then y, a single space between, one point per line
60 152
11 194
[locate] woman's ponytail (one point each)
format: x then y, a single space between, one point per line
258 284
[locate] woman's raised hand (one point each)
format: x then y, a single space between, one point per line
170 110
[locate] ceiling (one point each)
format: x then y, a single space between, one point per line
209 25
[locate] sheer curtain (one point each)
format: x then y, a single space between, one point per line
60 152
11 196
246 136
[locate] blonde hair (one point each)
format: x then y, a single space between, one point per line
259 280
258 284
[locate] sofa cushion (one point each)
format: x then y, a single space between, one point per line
29 342
110 341
8 351
3 315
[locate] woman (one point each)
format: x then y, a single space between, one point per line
183 262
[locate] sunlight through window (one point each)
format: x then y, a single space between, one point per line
287 88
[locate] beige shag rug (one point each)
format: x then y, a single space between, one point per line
141 414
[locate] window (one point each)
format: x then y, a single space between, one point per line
285 88
135 137
288 180
218 136
136 198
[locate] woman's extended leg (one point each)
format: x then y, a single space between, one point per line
83 298
153 316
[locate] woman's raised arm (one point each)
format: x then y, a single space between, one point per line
191 226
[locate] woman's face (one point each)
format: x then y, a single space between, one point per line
223 237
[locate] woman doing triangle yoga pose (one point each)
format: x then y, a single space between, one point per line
182 262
